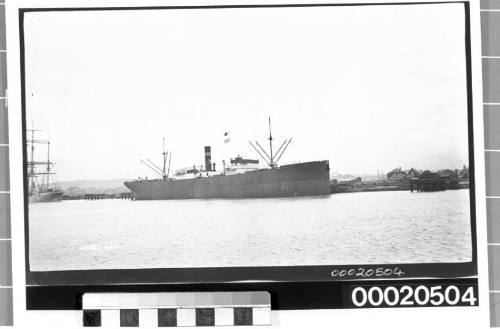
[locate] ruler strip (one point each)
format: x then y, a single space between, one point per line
6 307
490 31
199 309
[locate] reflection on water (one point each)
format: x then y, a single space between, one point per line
355 228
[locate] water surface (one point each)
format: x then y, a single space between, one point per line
352 228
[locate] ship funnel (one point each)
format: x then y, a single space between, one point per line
208 158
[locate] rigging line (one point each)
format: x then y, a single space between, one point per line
284 150
259 153
153 164
169 159
278 152
39 141
270 159
151 168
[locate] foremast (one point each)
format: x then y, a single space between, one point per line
162 172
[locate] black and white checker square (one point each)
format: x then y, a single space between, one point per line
203 309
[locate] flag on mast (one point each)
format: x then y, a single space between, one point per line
227 138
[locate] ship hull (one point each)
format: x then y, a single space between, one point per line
304 179
52 196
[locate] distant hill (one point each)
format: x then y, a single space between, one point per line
80 187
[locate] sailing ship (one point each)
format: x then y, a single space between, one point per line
40 185
240 178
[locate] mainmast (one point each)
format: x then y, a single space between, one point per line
271 145
271 159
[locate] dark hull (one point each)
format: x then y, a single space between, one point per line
309 178
51 196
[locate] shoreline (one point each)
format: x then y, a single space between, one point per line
350 189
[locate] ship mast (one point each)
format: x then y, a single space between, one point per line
162 172
48 164
271 145
169 160
272 158
32 163
165 154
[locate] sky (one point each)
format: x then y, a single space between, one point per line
368 88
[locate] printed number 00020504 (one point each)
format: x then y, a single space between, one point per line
363 272
421 295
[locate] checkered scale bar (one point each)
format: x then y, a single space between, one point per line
181 309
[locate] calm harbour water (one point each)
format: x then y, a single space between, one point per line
354 228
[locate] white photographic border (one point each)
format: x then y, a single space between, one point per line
460 317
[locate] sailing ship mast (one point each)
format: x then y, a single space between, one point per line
32 164
48 163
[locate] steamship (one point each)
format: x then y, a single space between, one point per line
240 178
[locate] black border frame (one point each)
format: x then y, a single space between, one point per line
214 278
